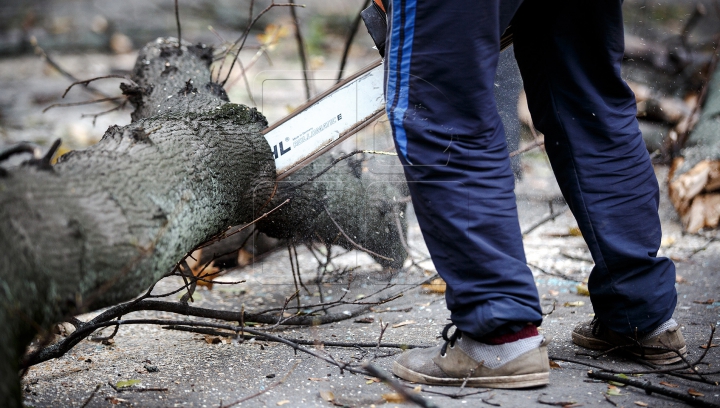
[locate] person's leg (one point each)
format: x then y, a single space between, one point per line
441 60
569 53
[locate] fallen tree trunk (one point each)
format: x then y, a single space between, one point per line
694 179
107 222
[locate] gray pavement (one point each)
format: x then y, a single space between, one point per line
197 373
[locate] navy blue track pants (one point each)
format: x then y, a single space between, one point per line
441 61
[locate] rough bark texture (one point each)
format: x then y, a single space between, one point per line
105 223
694 182
366 205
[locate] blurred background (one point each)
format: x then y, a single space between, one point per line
44 42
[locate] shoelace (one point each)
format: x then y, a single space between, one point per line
598 329
449 339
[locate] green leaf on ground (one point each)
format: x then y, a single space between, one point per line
127 383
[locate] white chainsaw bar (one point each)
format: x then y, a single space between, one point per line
326 120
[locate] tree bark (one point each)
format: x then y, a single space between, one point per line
105 223
694 180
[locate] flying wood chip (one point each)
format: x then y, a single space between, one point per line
393 397
435 286
401 324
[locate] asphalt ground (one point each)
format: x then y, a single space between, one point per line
197 370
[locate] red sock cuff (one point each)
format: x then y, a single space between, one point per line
528 331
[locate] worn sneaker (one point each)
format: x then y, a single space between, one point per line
519 364
665 345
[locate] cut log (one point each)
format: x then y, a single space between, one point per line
694 179
105 223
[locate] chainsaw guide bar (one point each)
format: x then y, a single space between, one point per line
326 120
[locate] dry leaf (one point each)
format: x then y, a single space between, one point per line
213 339
695 393
667 241
365 320
283 402
417 389
667 384
680 279
553 292
401 324
574 304
272 35
704 346
244 258
327 395
554 364
613 391
317 379
393 397
372 380
640 403
115 400
582 289
575 232
704 302
207 272
435 286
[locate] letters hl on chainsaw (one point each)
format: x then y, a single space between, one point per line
326 120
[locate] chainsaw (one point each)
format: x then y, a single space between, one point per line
326 120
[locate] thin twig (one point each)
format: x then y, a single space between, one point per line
297 267
348 42
87 81
87 401
302 342
544 219
104 338
64 105
399 388
19 149
97 115
355 244
177 21
301 50
556 274
295 282
102 320
264 390
241 41
39 51
382 331
650 388
537 143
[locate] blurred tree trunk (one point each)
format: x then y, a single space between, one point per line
694 180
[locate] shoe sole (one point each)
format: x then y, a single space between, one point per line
666 358
510 381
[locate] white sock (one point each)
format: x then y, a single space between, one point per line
497 355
